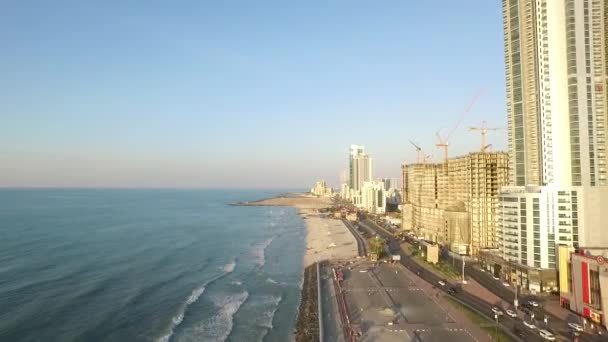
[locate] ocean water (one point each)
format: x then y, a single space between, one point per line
147 265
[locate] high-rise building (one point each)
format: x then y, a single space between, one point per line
556 60
373 197
360 171
556 76
456 205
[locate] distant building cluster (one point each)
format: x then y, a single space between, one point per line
367 194
321 189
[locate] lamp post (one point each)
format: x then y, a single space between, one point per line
463 279
496 327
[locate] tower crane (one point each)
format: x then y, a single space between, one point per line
484 130
418 152
445 142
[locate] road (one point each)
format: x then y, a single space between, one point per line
507 324
557 326
361 242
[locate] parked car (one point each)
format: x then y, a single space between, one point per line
547 335
530 325
506 284
575 326
441 282
511 313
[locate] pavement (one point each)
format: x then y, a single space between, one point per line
387 302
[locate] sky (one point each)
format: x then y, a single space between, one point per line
240 94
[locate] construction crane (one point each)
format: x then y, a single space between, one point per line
483 130
418 152
445 142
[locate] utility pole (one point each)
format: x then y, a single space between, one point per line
463 280
515 301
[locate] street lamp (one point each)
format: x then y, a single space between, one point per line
496 327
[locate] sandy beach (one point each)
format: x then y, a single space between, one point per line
326 237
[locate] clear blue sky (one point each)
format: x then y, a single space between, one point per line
238 93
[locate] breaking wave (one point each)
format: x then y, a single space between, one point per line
219 327
259 251
194 296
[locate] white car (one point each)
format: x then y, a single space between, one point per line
441 282
547 335
575 326
497 311
530 325
505 284
495 278
511 313
533 303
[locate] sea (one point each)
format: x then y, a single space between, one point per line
147 265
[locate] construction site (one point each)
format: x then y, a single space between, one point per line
454 202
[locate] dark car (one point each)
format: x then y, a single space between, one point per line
520 333
452 291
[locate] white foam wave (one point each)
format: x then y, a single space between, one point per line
259 251
265 319
229 267
219 327
177 319
194 296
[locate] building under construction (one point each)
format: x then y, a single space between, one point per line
455 204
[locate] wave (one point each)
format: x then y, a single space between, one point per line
194 296
229 267
259 251
266 317
219 327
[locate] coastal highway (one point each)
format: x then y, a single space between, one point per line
361 242
507 324
557 326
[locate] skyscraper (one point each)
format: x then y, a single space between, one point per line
556 76
556 59
360 167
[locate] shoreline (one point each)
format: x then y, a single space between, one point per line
327 238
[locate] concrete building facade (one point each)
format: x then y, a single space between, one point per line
584 283
455 205
556 78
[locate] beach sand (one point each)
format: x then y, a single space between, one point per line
326 237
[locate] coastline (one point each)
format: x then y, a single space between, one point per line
327 238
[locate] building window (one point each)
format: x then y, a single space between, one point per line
594 285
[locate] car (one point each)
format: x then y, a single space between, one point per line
441 282
530 325
575 326
497 311
452 291
506 284
533 303
511 313
547 335
495 278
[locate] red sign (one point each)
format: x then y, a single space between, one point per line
600 259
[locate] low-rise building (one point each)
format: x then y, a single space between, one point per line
584 282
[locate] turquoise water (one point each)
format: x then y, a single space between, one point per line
147 265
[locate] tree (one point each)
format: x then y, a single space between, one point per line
377 246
